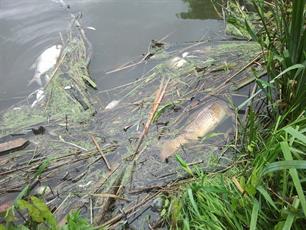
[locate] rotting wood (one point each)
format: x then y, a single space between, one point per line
13 145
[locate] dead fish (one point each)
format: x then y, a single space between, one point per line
177 62
203 123
39 96
45 62
112 105
91 28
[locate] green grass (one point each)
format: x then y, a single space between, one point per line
272 142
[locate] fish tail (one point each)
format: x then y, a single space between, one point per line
169 148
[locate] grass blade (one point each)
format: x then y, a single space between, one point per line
295 177
193 203
296 134
254 215
281 165
291 215
267 197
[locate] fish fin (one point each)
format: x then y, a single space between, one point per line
169 148
36 78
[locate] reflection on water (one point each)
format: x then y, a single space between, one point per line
199 9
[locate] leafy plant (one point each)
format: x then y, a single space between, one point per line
278 26
36 215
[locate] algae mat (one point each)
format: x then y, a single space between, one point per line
70 154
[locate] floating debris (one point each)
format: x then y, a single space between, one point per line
112 104
13 145
71 165
177 62
40 130
39 96
91 28
42 190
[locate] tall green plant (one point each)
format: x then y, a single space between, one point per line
279 28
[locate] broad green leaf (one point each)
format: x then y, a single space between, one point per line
34 213
45 212
281 165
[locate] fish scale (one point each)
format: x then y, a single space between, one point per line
204 122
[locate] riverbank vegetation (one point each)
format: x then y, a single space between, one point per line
111 174
265 187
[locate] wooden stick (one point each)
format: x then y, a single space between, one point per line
127 211
243 68
144 58
101 152
108 195
159 96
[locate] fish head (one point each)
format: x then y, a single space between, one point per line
58 46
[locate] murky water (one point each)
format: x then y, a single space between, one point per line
124 30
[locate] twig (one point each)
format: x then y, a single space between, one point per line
109 195
100 183
69 143
108 200
67 197
56 68
90 208
117 218
130 65
242 69
101 152
144 58
159 96
79 177
13 170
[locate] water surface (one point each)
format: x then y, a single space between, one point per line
124 30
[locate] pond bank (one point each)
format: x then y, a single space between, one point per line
103 159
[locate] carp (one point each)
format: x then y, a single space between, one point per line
205 121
